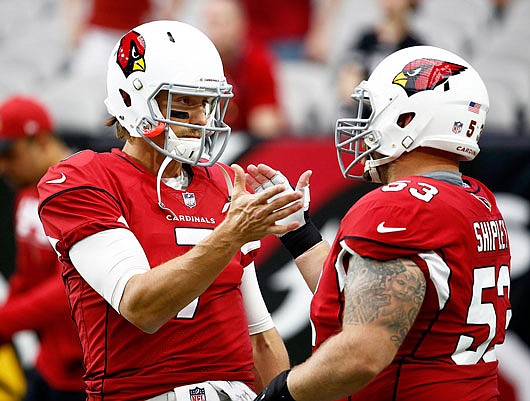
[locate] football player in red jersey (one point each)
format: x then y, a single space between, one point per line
37 300
412 299
158 239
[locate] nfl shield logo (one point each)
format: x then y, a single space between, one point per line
457 127
197 394
189 199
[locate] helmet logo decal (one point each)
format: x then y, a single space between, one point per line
130 56
426 73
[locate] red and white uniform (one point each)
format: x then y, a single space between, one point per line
37 300
458 238
95 192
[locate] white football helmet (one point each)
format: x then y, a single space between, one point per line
178 58
442 94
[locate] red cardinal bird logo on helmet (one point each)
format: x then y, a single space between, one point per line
426 73
131 53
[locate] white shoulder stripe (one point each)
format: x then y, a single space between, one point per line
53 243
122 220
339 264
440 273
250 246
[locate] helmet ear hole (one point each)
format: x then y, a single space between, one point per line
405 119
126 98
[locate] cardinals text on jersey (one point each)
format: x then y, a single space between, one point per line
109 190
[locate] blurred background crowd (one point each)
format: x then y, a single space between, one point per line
293 64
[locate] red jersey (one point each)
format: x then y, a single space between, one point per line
37 300
458 238
90 192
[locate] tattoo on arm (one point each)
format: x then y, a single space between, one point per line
389 293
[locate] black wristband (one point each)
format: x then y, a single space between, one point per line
277 389
303 238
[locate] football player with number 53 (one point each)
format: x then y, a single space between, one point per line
411 300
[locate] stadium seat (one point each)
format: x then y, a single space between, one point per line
502 115
76 104
306 91
353 17
452 24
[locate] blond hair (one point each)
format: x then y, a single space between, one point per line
121 132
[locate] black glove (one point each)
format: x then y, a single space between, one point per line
276 390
